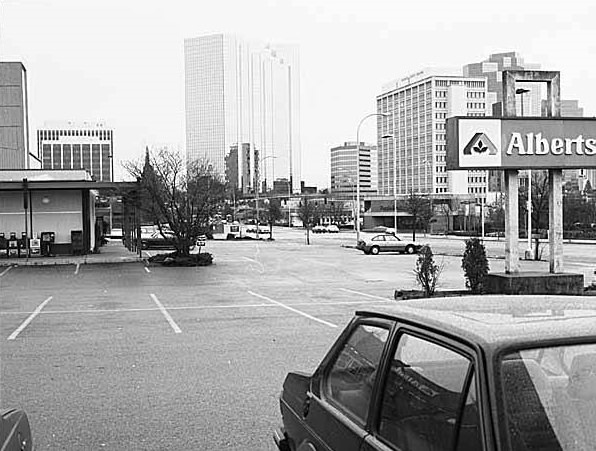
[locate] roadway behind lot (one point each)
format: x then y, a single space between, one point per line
127 356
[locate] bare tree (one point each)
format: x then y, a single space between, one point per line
180 197
272 214
418 207
448 207
334 209
309 214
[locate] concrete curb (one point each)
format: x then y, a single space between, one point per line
69 261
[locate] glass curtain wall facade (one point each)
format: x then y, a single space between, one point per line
243 94
412 159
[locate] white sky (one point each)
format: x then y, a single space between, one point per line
122 61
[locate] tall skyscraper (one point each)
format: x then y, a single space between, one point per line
413 157
243 95
347 170
65 145
14 122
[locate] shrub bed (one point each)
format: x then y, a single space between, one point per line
173 259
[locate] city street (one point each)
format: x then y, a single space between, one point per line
130 356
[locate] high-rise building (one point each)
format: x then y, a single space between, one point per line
492 69
14 122
89 146
347 170
239 93
412 158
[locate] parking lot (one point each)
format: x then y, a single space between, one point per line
128 356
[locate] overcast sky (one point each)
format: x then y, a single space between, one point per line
122 61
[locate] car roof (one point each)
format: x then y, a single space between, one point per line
495 321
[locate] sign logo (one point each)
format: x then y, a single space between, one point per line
480 144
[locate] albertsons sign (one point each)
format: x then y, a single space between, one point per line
520 143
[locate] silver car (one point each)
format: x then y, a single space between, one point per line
387 242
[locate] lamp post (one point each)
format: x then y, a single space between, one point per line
349 180
521 92
289 205
390 135
427 164
259 187
358 171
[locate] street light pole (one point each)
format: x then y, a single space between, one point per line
358 171
259 187
521 92
394 142
289 206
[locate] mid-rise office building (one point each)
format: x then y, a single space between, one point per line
67 145
14 122
412 137
239 93
348 170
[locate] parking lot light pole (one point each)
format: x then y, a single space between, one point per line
258 187
358 171
521 92
394 142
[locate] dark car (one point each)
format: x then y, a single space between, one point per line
157 240
472 373
386 242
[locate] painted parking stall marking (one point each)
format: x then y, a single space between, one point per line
29 319
326 323
165 313
367 295
5 271
182 308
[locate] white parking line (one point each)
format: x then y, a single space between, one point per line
293 309
166 314
29 319
190 307
5 271
367 295
586 265
77 270
147 269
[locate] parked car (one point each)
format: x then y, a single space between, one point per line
332 228
472 373
157 240
386 242
319 229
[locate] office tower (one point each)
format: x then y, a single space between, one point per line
14 122
344 167
412 138
492 69
239 93
67 145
